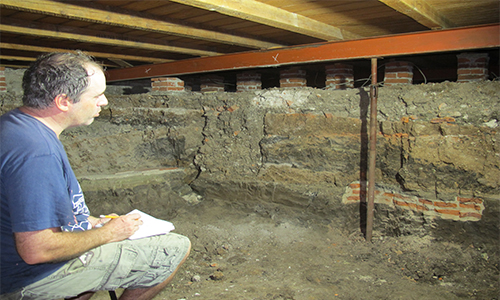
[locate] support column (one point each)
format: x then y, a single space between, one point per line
248 81
339 76
472 67
3 84
398 72
293 77
167 84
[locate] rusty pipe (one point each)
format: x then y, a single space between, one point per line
372 152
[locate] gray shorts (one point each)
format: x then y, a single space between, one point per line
131 264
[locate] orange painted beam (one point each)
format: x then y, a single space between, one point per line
457 39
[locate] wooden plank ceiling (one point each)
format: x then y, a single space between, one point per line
125 34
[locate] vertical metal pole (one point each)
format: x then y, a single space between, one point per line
372 152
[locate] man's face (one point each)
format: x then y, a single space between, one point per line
89 106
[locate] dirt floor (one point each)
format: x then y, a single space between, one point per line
274 252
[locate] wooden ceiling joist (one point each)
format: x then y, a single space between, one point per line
92 13
388 46
39 49
269 15
20 58
421 12
83 35
125 33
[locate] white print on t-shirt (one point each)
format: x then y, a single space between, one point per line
81 213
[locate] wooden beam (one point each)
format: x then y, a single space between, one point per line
89 36
420 11
21 58
13 66
20 47
269 15
389 46
94 15
121 63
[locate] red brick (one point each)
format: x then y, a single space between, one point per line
175 89
425 201
467 200
470 205
398 81
402 197
482 60
405 75
470 77
422 208
400 203
391 75
444 204
298 80
470 214
447 211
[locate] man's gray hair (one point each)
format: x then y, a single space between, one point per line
56 74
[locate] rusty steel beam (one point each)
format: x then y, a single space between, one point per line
466 38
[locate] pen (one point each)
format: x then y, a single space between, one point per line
108 216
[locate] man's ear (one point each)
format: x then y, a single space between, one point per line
62 102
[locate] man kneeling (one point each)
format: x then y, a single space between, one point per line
51 247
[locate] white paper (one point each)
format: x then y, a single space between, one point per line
151 226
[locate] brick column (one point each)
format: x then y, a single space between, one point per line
212 83
398 72
293 77
339 76
3 84
248 81
167 84
472 67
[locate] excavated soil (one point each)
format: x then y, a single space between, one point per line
273 252
265 250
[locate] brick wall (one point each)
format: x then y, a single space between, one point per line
293 77
398 72
339 76
3 84
461 209
472 67
167 84
248 81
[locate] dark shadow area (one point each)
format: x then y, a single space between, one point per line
364 104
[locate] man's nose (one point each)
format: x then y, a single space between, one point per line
103 101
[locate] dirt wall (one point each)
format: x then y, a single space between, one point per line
302 147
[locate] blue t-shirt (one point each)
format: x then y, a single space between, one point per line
38 190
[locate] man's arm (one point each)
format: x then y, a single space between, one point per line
53 245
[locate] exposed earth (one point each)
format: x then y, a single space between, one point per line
272 252
261 249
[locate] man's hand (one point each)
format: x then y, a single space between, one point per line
123 226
